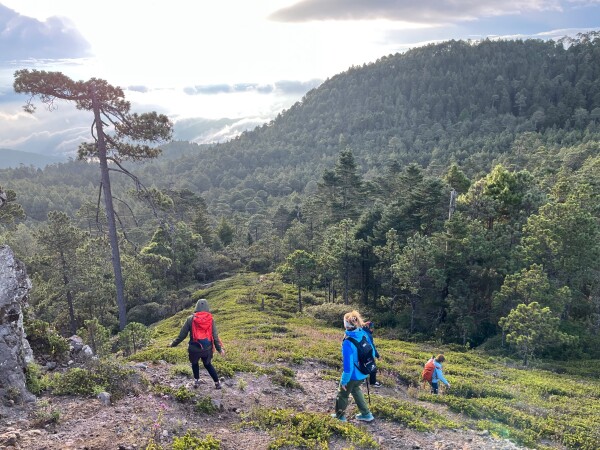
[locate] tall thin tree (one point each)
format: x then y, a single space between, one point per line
124 136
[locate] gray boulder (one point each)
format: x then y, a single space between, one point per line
15 352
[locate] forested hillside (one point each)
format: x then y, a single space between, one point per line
451 191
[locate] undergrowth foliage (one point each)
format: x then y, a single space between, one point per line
45 340
306 430
526 406
409 414
95 377
532 406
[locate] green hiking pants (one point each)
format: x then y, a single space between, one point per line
341 401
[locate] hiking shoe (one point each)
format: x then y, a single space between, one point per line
217 385
341 419
365 417
196 383
376 384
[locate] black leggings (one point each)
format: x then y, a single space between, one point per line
373 378
206 361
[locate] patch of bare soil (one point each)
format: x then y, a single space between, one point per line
130 423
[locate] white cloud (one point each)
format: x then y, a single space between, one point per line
23 37
424 11
236 60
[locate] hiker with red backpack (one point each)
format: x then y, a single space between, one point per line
355 369
204 337
432 373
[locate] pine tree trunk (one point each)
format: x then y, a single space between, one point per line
72 324
110 216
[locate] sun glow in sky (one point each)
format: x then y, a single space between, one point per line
240 59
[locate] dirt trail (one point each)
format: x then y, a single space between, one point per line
131 422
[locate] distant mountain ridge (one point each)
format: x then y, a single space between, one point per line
15 158
473 104
470 103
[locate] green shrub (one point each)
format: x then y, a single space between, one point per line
205 405
184 395
75 381
44 340
479 390
331 313
34 381
191 442
227 368
13 394
283 376
44 414
409 414
134 337
309 299
182 369
306 430
96 336
147 313
97 376
170 355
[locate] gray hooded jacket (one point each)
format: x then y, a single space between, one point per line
186 329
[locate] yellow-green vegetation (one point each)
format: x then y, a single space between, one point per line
181 394
44 339
409 414
189 441
44 414
205 405
34 380
283 376
264 334
306 430
97 376
184 395
527 406
182 369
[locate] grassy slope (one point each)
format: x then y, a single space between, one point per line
532 407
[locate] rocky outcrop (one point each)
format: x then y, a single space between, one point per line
15 351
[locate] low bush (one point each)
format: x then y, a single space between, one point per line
205 405
409 414
184 395
97 376
330 313
190 441
34 381
44 340
306 430
44 414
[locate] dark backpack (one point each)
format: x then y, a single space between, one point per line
366 362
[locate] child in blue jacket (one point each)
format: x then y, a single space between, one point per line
438 375
352 378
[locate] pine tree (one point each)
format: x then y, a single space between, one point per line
132 132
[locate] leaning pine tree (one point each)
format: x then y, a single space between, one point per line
118 135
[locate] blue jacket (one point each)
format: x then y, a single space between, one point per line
350 357
438 375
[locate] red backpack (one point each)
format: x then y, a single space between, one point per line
427 373
202 332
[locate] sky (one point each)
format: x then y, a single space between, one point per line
201 62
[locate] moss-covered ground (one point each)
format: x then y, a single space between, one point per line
262 332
